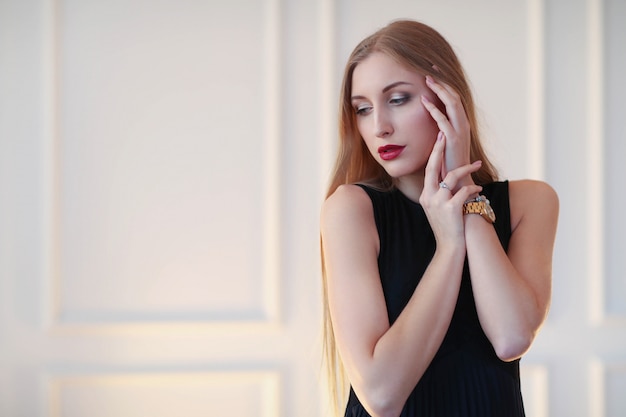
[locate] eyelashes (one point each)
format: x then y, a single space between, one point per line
399 99
361 110
394 100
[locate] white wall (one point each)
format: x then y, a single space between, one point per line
162 164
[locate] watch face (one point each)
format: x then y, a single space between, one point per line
489 211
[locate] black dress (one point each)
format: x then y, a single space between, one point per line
465 378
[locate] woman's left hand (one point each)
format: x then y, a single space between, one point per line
454 124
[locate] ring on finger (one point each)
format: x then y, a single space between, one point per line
442 184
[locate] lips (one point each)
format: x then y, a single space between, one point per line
389 152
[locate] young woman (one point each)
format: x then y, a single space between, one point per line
437 276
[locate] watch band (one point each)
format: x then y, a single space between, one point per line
473 207
480 205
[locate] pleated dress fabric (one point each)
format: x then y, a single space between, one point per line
465 378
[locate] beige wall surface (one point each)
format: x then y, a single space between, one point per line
162 165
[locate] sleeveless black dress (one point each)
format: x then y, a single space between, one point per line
465 378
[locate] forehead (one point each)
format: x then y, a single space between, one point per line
379 70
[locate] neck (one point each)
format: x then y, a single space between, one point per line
411 186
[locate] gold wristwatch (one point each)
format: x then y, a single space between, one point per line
480 205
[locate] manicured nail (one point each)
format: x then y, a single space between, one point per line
429 79
439 136
479 162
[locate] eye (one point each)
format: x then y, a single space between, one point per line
397 100
362 109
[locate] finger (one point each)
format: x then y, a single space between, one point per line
440 117
445 92
444 171
435 160
450 98
453 177
465 193
442 89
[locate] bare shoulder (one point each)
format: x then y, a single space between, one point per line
348 214
347 201
533 201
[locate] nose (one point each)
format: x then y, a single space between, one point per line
382 124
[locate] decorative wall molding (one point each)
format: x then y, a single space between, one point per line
536 83
51 280
595 161
607 379
50 211
535 390
327 67
596 388
273 135
158 393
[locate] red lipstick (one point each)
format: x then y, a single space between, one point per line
389 152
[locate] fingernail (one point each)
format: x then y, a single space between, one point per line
429 79
479 162
425 99
439 136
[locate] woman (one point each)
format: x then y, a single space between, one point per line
430 301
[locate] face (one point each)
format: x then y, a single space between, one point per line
396 127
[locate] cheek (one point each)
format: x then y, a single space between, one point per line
365 139
360 126
363 126
424 122
365 130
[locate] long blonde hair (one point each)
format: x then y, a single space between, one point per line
419 47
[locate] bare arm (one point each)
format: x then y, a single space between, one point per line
512 291
380 359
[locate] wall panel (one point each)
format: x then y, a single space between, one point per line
614 390
161 395
614 171
166 138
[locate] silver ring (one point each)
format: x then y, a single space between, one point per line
443 185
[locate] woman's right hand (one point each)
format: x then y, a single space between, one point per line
444 208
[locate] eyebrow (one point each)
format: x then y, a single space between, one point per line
387 88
